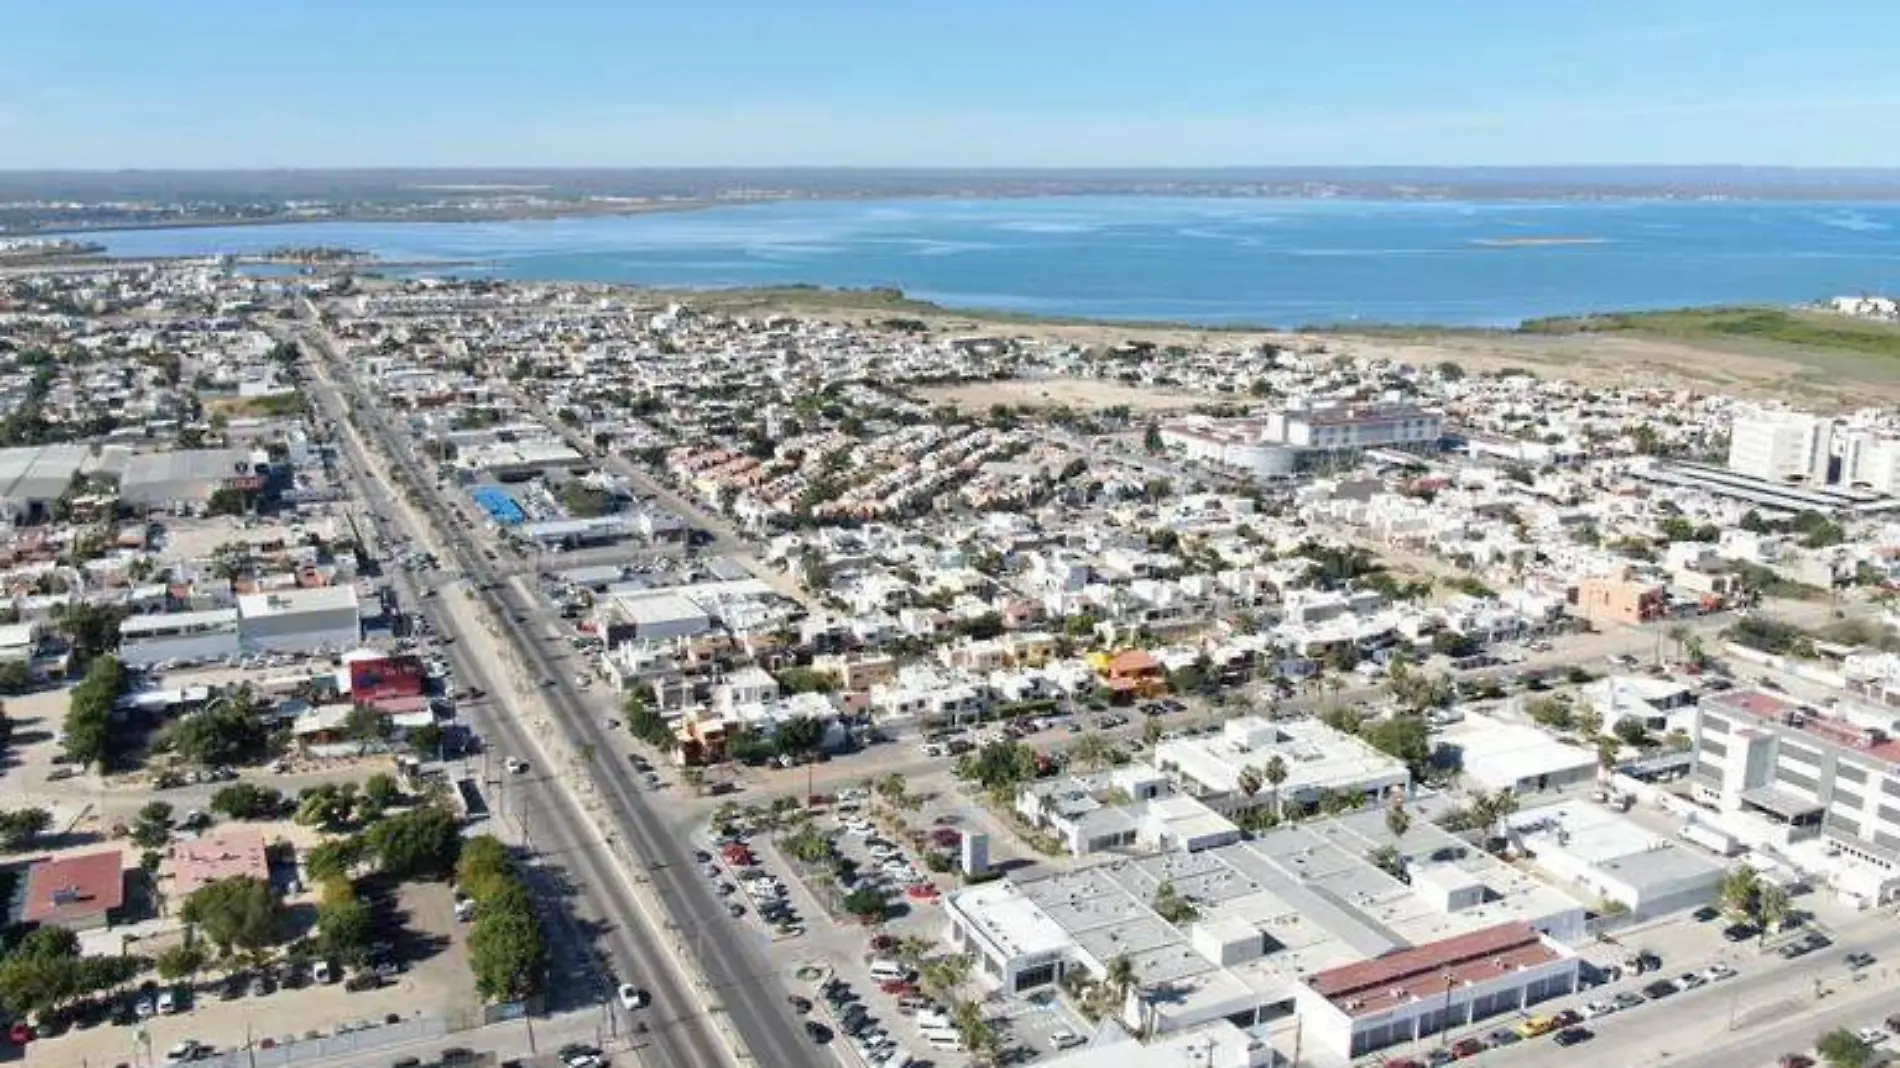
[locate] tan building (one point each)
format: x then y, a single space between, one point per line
1619 599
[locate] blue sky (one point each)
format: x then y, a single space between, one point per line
287 83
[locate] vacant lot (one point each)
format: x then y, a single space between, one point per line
1080 394
1810 357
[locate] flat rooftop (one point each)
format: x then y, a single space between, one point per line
1612 843
1499 754
1315 756
289 602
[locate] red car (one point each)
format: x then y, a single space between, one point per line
20 1033
897 987
1467 1047
922 892
947 837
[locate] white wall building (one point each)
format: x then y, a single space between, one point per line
1317 759
1781 446
300 620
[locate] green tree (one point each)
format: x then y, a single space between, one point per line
153 827
1249 781
230 731
366 724
505 948
327 805
1403 737
89 711
1093 752
345 925
420 844
15 677
382 789
1397 820
1275 773
21 827
1171 905
1631 731
868 905
333 859
1841 1048
239 913
426 741
999 767
182 961
799 736
247 801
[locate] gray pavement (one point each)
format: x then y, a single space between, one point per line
743 985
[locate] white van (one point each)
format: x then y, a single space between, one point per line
944 1040
885 969
933 1019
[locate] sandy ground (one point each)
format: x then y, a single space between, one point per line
1082 394
1741 366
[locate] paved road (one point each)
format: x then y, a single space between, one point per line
1770 1008
743 982
681 1034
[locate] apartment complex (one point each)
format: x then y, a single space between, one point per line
1301 437
1806 775
1814 450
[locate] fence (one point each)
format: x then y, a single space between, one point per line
414 1029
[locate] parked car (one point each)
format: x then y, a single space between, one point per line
632 997
1570 1036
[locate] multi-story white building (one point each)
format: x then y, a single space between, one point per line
1830 779
1299 437
1782 447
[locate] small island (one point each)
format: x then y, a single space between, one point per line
314 254
1536 242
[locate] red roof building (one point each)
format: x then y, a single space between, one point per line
78 893
1451 983
372 681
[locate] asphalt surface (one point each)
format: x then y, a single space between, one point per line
744 984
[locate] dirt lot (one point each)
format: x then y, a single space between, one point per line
1081 394
1740 365
436 981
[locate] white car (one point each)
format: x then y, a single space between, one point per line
1719 972
1873 1036
1598 1008
1066 1040
632 997
189 1050
516 765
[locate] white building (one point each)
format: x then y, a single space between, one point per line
1499 755
1821 788
1219 1044
324 618
1603 854
182 636
1298 437
1782 446
1316 758
1298 921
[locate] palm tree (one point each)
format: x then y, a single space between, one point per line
1249 781
975 1031
1588 721
892 788
1678 634
1397 821
1275 773
1120 979
1773 906
1092 752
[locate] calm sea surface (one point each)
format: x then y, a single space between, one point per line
1281 262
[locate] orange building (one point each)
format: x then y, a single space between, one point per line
1619 599
1133 673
